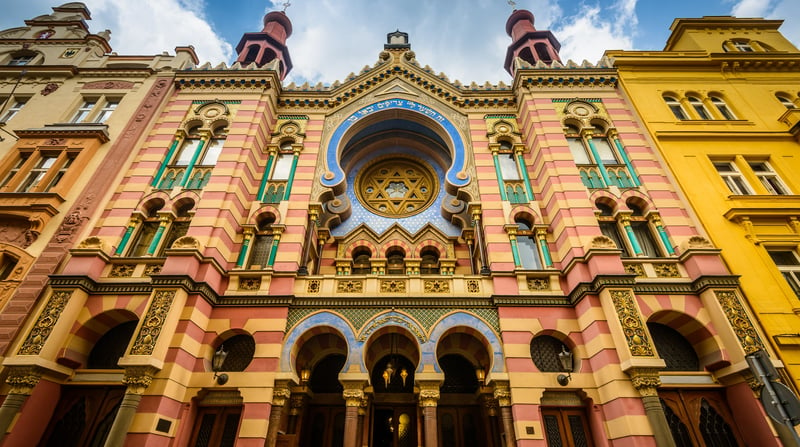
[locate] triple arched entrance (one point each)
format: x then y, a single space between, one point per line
409 387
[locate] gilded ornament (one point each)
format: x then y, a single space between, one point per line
634 269
538 284
737 317
122 270
632 325
429 397
138 378
392 319
437 286
349 286
44 325
503 396
153 321
473 286
249 283
314 286
666 270
280 396
393 286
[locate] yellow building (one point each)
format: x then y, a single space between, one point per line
721 102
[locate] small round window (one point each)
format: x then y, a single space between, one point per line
396 187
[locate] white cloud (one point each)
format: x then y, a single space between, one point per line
750 8
788 10
589 34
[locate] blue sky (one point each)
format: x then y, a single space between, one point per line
465 39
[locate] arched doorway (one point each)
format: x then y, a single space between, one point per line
392 358
463 419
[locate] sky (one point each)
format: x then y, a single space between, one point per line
464 39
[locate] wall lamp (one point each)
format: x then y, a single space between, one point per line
216 365
565 358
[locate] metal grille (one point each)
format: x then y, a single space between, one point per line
176 231
676 351
544 353
716 432
551 431
229 431
240 352
206 427
111 346
679 431
576 427
259 253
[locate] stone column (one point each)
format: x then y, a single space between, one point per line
362 414
22 381
503 395
490 410
298 402
646 380
428 399
280 395
137 378
353 395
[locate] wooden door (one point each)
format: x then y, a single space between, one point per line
700 418
325 427
461 427
566 427
394 427
216 427
83 416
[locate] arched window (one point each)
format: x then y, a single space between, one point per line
722 108
526 55
395 261
283 162
743 46
577 146
240 349
604 150
214 148
699 107
527 247
430 261
544 353
642 232
252 54
361 261
676 108
179 226
7 264
262 245
542 52
610 227
786 101
146 231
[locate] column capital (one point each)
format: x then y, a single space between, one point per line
138 378
280 395
353 397
645 380
23 379
502 393
429 397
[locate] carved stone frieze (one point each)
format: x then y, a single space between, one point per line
632 324
349 286
538 284
634 269
44 324
393 286
436 286
473 286
153 322
249 283
739 321
375 324
666 270
122 270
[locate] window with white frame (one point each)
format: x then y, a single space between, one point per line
769 178
733 178
527 246
743 46
95 110
16 105
788 263
722 108
37 171
21 59
676 108
699 107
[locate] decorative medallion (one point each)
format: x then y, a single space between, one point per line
632 325
634 269
313 286
393 286
122 270
250 283
44 325
473 286
396 187
538 284
666 270
153 321
737 317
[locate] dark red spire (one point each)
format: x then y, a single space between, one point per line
269 44
527 43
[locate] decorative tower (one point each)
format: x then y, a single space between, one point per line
527 43
269 44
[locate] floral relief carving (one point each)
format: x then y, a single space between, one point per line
249 283
741 324
349 286
437 286
153 322
473 286
538 284
634 269
314 286
122 270
393 286
44 324
392 319
666 270
632 325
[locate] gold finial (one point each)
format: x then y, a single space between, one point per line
513 4
286 5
